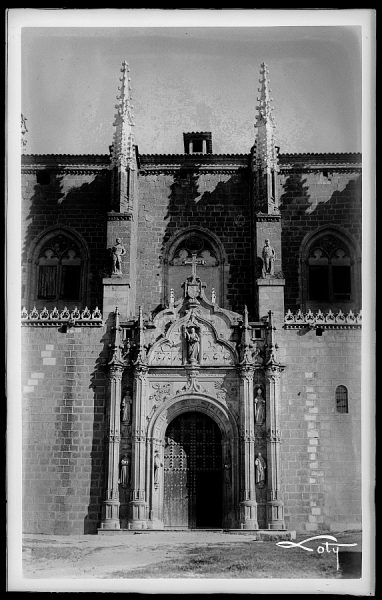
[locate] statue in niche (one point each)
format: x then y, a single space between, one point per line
260 466
257 358
193 345
157 465
124 471
259 407
126 410
269 256
117 251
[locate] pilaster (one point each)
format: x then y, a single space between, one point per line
248 504
273 370
138 502
110 519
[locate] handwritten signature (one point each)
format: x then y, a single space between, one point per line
327 546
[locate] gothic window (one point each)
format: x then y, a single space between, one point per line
329 276
342 399
60 270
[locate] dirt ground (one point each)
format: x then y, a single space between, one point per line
171 553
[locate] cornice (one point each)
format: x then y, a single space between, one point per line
348 161
341 161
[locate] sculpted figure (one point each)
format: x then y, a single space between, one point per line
157 466
124 471
257 358
193 345
259 407
126 409
269 256
260 468
117 252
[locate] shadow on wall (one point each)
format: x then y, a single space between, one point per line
81 209
225 212
301 214
99 385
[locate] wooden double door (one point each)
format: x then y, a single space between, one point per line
193 472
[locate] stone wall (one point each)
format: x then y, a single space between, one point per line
78 201
309 200
63 429
187 197
320 448
216 202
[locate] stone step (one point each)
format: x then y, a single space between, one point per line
256 534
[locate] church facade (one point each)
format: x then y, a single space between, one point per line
191 336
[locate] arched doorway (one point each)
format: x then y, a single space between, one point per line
193 472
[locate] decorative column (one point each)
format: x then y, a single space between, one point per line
138 500
248 503
273 369
111 503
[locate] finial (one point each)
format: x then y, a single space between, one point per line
123 141
265 155
245 317
264 107
172 297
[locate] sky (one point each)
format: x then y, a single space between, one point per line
191 79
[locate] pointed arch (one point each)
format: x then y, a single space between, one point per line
58 268
330 269
208 247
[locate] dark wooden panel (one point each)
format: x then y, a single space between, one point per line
193 472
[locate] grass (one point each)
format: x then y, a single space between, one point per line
247 560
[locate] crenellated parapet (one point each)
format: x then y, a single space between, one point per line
319 320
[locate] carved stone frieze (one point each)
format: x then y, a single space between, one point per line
161 391
246 373
273 372
224 389
192 385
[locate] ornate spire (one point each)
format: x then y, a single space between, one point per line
266 155
122 153
141 348
265 161
24 130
